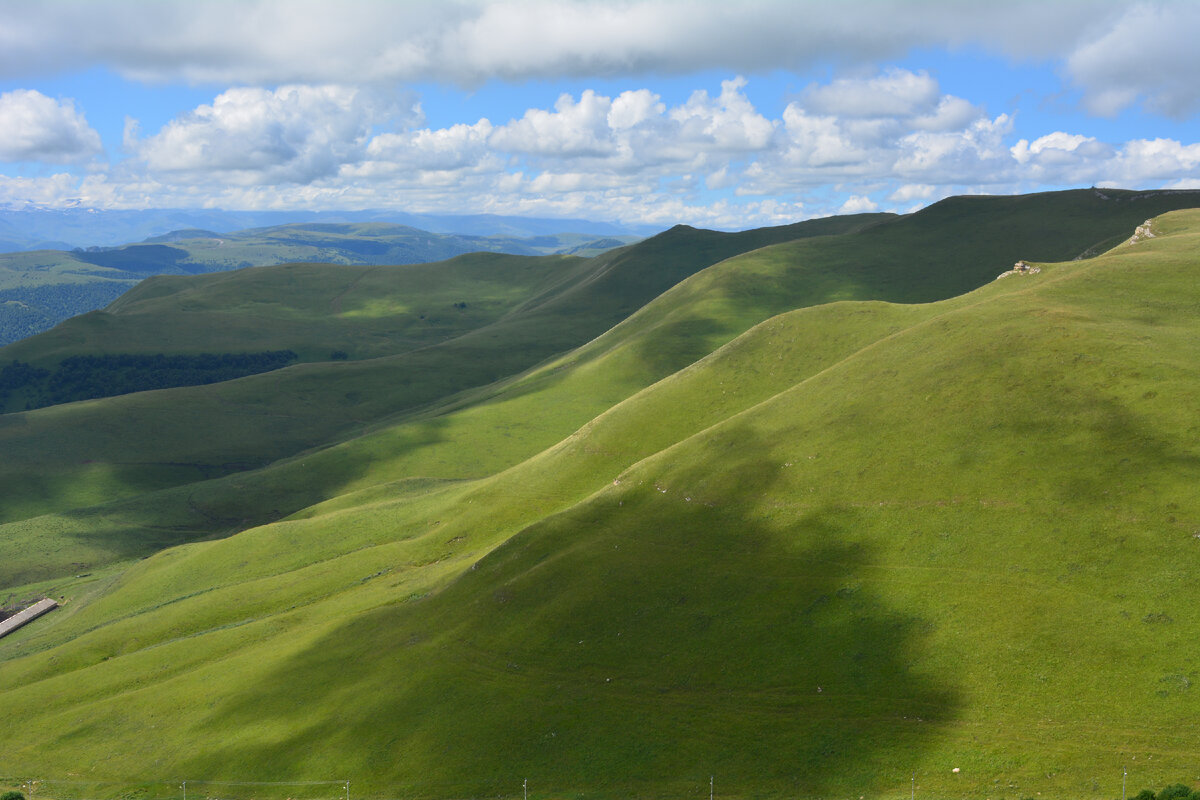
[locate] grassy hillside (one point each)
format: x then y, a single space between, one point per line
856 542
365 311
41 288
84 510
75 489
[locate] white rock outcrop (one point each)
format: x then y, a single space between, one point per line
1142 232
1020 268
26 616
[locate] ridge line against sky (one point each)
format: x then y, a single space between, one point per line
651 111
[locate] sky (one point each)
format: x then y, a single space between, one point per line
725 115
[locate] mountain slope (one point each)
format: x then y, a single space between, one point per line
957 534
81 455
943 245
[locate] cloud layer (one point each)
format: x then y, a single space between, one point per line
893 140
314 117
1114 52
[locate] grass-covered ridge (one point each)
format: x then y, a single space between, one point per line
42 287
82 485
854 541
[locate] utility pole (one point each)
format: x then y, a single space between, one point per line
525 786
1124 774
185 790
914 787
347 791
710 787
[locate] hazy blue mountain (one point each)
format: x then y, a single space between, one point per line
38 228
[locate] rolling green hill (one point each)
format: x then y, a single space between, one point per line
75 469
767 529
78 480
41 288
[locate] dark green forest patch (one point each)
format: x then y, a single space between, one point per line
90 376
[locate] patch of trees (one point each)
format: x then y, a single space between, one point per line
1176 791
150 259
362 247
89 377
27 310
18 320
19 375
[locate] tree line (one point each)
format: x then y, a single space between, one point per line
26 310
1176 791
93 376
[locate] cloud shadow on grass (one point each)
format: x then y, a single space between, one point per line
638 643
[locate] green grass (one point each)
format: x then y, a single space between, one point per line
969 522
117 453
365 311
163 440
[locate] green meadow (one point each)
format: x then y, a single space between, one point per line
805 510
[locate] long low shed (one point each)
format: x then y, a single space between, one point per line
26 616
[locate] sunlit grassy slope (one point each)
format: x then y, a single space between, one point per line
119 449
83 486
857 541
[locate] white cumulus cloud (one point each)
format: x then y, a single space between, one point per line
912 191
1144 160
727 122
290 134
571 129
858 204
632 108
898 126
897 92
457 147
34 127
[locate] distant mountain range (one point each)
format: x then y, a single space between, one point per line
40 288
34 227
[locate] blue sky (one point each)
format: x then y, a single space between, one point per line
660 111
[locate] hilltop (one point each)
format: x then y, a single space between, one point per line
805 509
